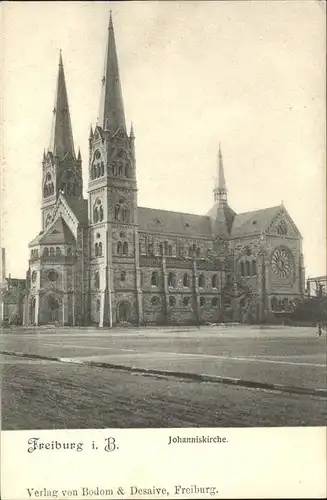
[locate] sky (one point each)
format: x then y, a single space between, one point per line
250 75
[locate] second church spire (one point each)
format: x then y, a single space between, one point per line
61 140
111 113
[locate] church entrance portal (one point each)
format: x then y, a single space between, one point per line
123 312
53 309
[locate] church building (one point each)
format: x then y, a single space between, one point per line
107 261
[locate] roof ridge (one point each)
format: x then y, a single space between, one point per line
174 212
259 210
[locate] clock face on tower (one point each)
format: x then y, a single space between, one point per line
281 263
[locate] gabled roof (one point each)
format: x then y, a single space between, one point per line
56 234
228 212
253 222
16 282
165 221
80 208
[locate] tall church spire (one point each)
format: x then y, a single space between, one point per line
61 140
111 113
220 190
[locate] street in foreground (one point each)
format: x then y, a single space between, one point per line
45 394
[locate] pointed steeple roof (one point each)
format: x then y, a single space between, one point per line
221 214
221 174
61 140
220 191
111 113
131 134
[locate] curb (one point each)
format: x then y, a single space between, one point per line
199 377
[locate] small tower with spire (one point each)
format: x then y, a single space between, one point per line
222 214
61 169
220 190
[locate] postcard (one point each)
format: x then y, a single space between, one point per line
163 280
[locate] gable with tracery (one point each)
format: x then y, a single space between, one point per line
283 226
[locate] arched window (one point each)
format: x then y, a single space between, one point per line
274 303
97 168
119 248
95 214
96 280
100 249
254 268
58 251
96 249
201 281
117 212
123 276
46 252
125 248
247 268
214 281
124 214
126 171
198 251
170 250
202 301
48 188
52 251
171 280
227 301
186 280
155 301
154 278
69 251
242 269
186 301
172 301
190 251
98 305
214 302
34 276
97 211
285 304
282 228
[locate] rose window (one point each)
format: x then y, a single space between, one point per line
52 275
281 263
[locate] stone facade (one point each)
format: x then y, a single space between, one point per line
106 261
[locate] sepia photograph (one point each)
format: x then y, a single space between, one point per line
163 251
